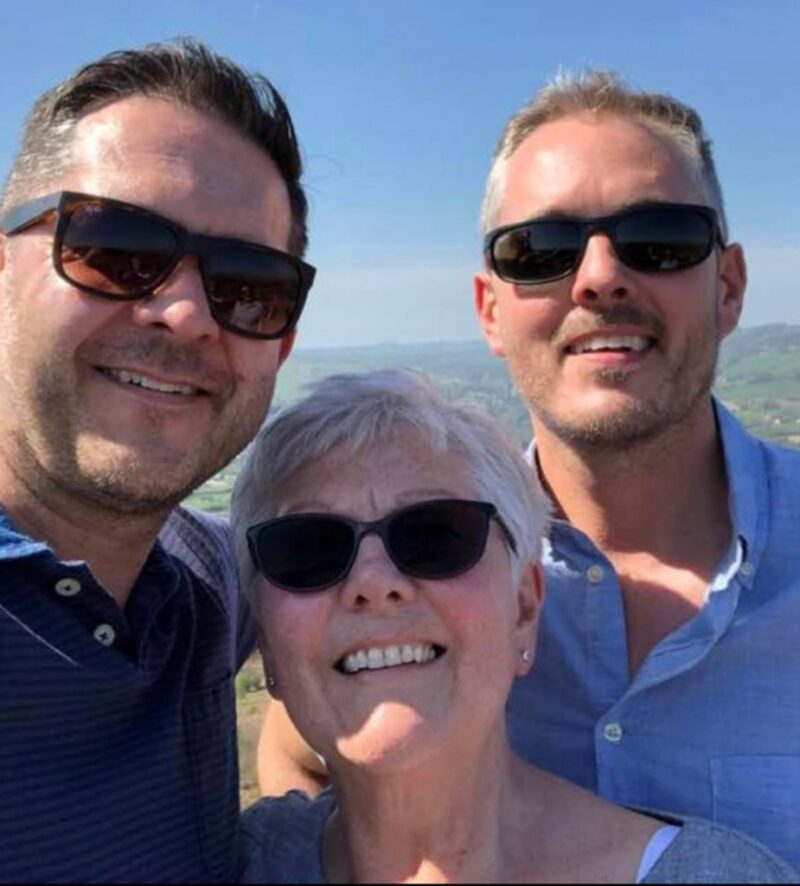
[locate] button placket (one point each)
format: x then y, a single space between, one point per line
68 587
105 634
595 574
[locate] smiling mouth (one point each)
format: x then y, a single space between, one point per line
617 344
137 380
379 659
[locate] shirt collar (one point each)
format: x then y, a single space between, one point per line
13 544
747 483
748 494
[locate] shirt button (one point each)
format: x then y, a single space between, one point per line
613 733
747 569
105 634
595 574
68 587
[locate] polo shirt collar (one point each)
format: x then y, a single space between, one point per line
15 545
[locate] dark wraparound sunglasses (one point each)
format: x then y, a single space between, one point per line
653 238
435 539
120 251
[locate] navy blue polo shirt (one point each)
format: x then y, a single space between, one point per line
117 729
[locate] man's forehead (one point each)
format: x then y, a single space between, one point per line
167 156
590 164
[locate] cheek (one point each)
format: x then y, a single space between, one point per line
254 363
687 308
294 629
481 617
530 319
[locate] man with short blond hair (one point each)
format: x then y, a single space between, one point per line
667 672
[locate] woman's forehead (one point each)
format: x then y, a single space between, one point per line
403 469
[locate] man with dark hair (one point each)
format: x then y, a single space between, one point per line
150 285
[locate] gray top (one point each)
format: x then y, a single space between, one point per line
280 842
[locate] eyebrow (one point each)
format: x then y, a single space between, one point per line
560 215
411 496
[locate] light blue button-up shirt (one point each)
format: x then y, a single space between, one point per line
710 724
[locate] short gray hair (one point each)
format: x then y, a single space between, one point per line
183 71
599 91
351 413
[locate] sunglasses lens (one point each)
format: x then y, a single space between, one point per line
304 553
251 290
537 251
438 539
657 240
115 251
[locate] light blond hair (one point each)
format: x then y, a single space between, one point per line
599 91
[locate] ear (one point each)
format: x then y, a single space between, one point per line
530 599
731 286
287 343
486 304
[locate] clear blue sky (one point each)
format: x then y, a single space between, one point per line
399 104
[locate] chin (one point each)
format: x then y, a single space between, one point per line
130 484
393 737
614 422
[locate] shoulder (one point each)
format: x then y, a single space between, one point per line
746 453
204 543
188 526
279 839
706 852
783 512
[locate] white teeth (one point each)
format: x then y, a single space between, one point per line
611 343
133 378
375 659
393 656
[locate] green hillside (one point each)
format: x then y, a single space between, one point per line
758 378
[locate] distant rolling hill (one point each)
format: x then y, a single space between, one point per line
758 378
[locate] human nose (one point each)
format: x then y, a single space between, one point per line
180 305
375 584
600 277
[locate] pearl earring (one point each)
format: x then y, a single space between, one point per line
526 655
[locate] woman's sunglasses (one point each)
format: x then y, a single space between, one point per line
123 252
656 238
435 539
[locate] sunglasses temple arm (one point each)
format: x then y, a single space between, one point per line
27 214
506 532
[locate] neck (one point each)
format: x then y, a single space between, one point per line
441 821
114 545
651 496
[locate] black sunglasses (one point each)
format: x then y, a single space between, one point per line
653 238
435 539
123 252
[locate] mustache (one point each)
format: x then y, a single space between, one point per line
588 322
161 355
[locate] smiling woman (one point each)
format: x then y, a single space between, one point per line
390 542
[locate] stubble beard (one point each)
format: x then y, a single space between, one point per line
686 385
51 451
